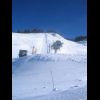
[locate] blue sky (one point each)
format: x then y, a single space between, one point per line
68 17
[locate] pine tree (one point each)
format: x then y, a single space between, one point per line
57 45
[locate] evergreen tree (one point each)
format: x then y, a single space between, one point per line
80 38
57 45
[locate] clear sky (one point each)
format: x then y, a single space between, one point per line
68 17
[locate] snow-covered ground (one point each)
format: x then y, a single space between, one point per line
41 41
35 76
84 42
72 94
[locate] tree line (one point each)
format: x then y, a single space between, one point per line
35 30
80 38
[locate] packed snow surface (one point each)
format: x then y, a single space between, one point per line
48 76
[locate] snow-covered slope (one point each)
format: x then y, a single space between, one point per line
41 43
84 42
35 76
72 94
32 76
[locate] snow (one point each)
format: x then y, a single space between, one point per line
31 75
27 41
32 78
72 94
84 42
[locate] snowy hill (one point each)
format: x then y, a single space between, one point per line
35 76
41 42
84 42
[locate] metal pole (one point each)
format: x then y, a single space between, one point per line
52 79
46 42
